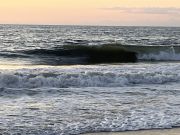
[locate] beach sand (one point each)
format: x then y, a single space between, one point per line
175 131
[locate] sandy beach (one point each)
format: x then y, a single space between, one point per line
175 131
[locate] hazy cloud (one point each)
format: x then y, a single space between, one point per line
151 10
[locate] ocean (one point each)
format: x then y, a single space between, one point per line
70 80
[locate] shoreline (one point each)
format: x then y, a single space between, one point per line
173 131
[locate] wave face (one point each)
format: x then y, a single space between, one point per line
81 54
111 53
67 45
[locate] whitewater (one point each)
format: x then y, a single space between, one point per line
70 80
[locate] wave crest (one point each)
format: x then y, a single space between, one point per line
85 79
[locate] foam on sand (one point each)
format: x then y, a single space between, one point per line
175 131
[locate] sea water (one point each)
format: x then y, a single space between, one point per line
50 86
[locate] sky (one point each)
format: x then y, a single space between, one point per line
91 12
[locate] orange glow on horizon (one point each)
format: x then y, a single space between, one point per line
89 12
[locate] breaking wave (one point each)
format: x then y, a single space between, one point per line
33 79
81 54
112 53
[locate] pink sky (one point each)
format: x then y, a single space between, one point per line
91 12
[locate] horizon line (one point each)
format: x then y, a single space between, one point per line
95 25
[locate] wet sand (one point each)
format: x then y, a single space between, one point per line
175 131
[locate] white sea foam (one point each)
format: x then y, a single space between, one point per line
161 56
113 100
91 76
79 110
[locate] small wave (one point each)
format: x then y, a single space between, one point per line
84 79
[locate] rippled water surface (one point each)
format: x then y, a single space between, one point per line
49 87
31 44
